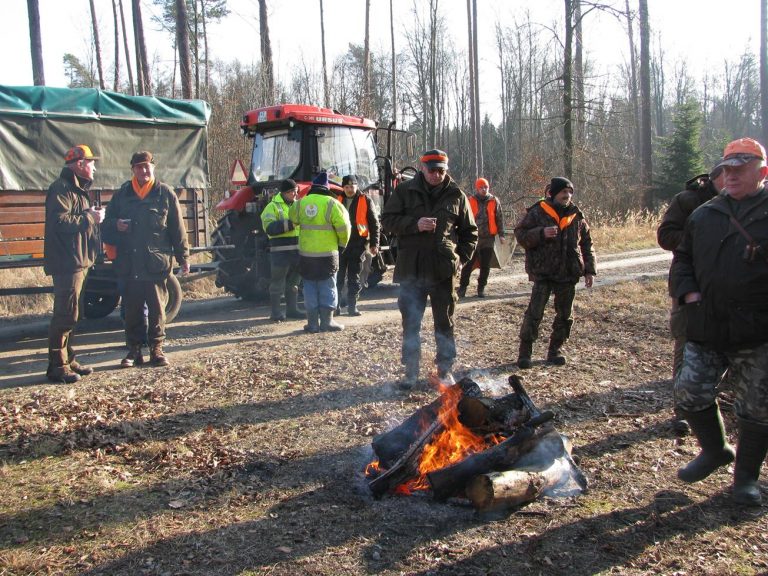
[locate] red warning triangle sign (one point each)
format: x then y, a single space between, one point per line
237 174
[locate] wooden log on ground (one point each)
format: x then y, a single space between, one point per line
452 480
390 446
509 488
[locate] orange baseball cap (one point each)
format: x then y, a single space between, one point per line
79 152
741 151
481 183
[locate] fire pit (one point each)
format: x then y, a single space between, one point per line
496 452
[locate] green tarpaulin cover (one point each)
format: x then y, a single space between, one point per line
39 124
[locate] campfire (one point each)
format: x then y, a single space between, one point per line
496 452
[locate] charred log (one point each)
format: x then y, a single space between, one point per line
452 480
390 446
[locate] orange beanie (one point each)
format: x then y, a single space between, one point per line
480 182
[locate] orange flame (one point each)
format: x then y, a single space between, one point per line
454 443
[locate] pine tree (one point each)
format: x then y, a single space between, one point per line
681 156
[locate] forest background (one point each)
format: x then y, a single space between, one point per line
628 134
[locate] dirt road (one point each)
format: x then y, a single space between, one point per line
226 321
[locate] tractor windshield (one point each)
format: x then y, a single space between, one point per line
276 154
343 150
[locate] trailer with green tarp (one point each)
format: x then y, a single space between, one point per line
39 124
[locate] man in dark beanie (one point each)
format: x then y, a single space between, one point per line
283 252
558 251
436 235
324 231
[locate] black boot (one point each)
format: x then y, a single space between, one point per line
352 307
462 291
750 453
327 323
524 354
312 326
554 355
292 307
481 291
707 426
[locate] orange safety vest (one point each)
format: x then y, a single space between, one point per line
490 207
361 214
562 223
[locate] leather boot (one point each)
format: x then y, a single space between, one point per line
156 356
524 354
312 325
327 323
554 355
481 291
291 306
80 369
133 358
462 291
352 307
708 428
750 453
58 371
277 315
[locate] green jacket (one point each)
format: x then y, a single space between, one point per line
156 234
429 256
71 234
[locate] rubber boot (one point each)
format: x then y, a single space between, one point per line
462 291
277 315
411 376
327 323
750 453
312 326
352 307
481 291
58 371
707 426
524 354
291 306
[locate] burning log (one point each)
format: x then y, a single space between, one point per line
390 446
509 488
453 479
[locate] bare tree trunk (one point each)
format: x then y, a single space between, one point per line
633 87
578 76
394 61
97 45
206 61
116 80
35 43
764 69
478 117
432 125
568 92
646 151
142 64
197 52
367 112
266 55
128 66
475 165
182 45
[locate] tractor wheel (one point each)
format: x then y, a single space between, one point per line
98 304
240 269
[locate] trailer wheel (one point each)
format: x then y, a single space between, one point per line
175 296
99 305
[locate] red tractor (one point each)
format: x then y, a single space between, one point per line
298 142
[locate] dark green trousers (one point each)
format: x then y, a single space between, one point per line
561 326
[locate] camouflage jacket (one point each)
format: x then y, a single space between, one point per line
564 258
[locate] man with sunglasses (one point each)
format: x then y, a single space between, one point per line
720 276
436 235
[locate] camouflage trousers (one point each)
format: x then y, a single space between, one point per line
703 368
561 325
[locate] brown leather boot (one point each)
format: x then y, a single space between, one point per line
133 358
58 371
157 358
80 369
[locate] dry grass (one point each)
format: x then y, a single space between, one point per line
633 230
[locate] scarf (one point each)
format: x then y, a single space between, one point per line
142 191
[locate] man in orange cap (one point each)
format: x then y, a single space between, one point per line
71 245
490 223
720 275
436 235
